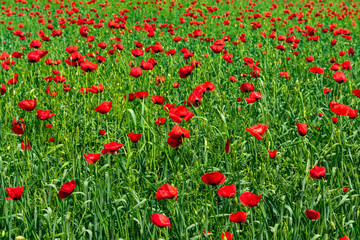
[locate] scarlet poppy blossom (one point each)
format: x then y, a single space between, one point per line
67 189
160 121
344 238
166 191
84 31
194 100
213 178
15 193
352 114
302 128
168 106
226 235
112 147
217 48
327 90
247 87
257 130
134 137
3 89
137 52
177 114
136 72
200 90
177 135
158 99
227 146
146 66
356 92
238 217
103 107
130 97
250 199
52 140
92 158
340 109
309 59
71 49
334 120
339 77
34 56
317 172
141 94
18 127
312 214
209 86
345 190
272 154
317 70
88 66
102 132
160 220
184 72
27 105
346 65
35 44
228 191
43 115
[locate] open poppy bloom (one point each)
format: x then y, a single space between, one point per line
184 72
27 105
112 147
14 193
213 178
317 70
103 107
272 154
312 214
228 191
18 127
250 199
177 114
340 109
43 115
92 158
160 220
318 172
226 235
67 189
177 135
134 137
238 217
166 191
257 130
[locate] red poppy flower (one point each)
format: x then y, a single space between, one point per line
15 193
217 48
213 178
209 86
247 87
318 172
345 189
137 52
346 65
27 105
141 94
177 135
18 127
52 140
102 132
34 56
136 72
317 70
176 85
71 49
250 199
344 238
339 77
160 220
166 191
146 66
302 128
194 100
238 217
103 107
160 121
327 90
35 44
356 92
258 130
3 89
226 235
309 59
352 114
184 72
92 158
88 66
112 147
227 146
43 115
102 45
25 145
84 31
272 154
312 214
228 191
158 99
67 189
340 109
134 137
334 120
177 114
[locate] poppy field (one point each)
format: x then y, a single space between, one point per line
204 119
